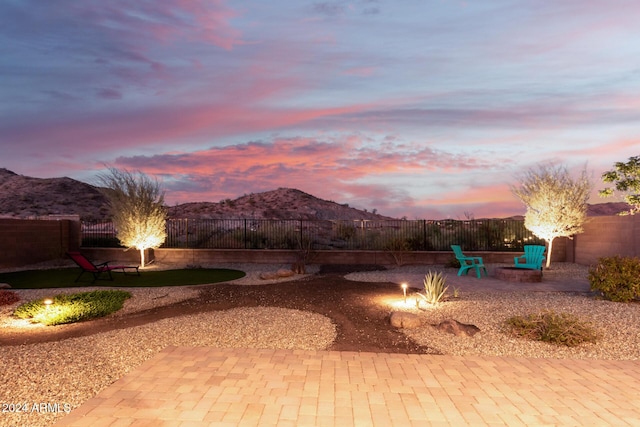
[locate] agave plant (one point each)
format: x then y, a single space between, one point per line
434 288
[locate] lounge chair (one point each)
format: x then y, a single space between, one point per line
532 259
468 262
99 271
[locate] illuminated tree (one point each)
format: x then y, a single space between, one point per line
556 203
137 209
627 179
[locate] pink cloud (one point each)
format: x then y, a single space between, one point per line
331 168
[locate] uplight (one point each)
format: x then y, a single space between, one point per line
404 291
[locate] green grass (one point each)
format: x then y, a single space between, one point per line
64 278
73 308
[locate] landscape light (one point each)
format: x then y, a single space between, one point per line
404 290
47 302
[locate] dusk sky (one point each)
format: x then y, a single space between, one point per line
416 108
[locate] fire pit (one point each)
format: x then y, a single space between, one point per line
513 274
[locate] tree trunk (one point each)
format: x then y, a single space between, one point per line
550 245
142 258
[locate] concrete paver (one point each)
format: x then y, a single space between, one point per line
186 386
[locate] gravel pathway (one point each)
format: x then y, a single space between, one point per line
69 372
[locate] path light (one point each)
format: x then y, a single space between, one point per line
47 302
404 290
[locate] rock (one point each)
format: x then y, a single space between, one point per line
5 286
456 328
283 272
402 319
272 275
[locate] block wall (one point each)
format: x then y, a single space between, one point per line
607 236
24 242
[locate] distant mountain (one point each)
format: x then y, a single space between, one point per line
283 203
604 209
23 196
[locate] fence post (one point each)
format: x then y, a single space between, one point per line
301 242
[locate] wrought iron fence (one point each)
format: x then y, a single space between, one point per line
390 235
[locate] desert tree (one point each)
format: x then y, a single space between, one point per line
137 209
626 177
556 203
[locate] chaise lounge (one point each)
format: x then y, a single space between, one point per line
99 271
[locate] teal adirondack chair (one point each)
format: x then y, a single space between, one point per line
468 262
532 259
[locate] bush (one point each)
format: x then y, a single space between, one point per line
434 288
452 263
551 327
8 297
73 308
617 278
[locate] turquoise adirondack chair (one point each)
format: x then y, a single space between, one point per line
468 262
532 259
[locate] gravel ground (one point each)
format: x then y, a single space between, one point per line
69 372
617 324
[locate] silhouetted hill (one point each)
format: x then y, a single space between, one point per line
23 196
283 203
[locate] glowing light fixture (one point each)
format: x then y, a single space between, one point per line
404 291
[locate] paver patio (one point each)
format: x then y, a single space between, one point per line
187 386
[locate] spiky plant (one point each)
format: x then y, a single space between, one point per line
434 288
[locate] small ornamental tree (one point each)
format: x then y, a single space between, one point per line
556 204
626 176
137 209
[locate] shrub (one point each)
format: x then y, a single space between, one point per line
73 308
452 263
617 278
434 288
8 297
396 246
551 327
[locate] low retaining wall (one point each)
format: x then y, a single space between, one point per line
274 256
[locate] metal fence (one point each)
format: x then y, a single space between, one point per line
389 235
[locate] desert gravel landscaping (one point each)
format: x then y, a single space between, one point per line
71 370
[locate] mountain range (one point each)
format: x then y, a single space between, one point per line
28 197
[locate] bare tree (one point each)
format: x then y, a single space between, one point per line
137 208
556 203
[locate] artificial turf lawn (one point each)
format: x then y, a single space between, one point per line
65 278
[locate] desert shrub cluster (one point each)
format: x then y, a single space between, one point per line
8 297
555 328
616 278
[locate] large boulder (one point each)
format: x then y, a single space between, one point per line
405 320
456 328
